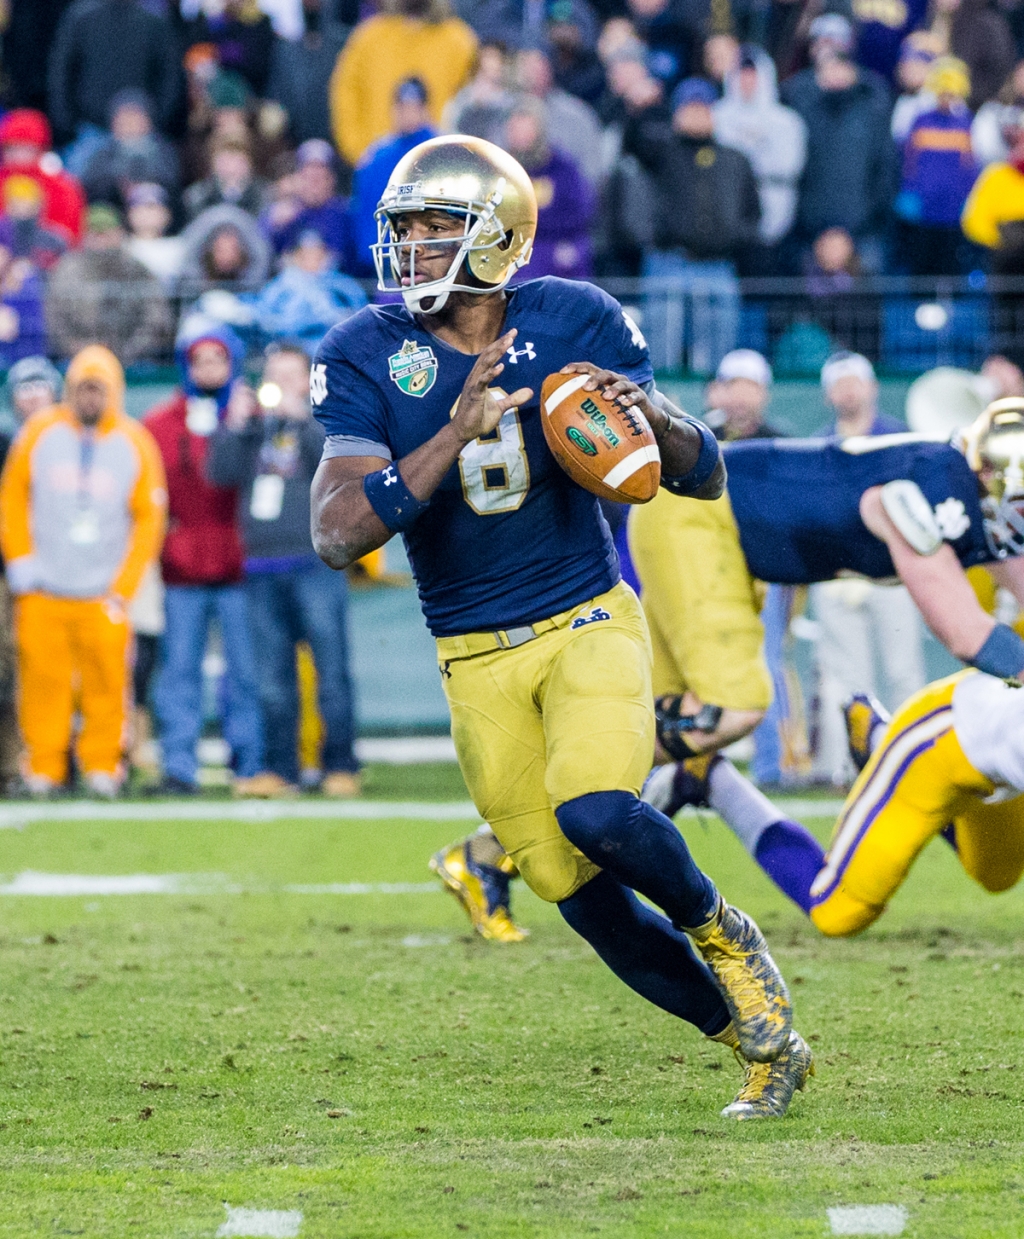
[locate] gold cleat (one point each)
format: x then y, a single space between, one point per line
863 716
769 1087
483 890
734 949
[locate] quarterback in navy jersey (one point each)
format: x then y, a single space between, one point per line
543 651
391 384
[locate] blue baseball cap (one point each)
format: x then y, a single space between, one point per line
694 90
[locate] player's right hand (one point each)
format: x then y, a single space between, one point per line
479 409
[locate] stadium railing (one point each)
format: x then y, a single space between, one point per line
905 326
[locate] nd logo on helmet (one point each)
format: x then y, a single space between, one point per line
413 368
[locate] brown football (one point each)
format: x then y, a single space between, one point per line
607 449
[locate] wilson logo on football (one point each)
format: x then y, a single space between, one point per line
578 439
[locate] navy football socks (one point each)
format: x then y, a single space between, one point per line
642 848
641 947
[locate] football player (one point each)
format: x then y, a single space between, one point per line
950 762
543 652
880 507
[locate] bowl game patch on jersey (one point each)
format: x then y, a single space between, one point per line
413 368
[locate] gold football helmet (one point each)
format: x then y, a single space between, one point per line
461 176
994 448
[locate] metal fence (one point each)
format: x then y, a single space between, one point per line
904 326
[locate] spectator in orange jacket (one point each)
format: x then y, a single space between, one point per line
82 512
25 142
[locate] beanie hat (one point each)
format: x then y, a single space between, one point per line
25 127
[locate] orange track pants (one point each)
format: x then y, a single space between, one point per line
72 652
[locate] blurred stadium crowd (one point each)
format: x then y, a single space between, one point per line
158 155
195 183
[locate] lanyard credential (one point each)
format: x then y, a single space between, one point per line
85 526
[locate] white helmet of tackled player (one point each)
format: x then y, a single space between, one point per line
466 177
994 448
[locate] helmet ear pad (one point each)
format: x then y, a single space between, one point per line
481 262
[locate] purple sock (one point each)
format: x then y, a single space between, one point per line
791 857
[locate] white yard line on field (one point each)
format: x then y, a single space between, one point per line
185 810
15 815
91 884
260 1223
868 1219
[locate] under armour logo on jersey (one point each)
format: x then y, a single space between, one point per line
390 477
952 519
596 613
515 353
318 383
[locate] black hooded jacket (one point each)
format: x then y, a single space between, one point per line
706 194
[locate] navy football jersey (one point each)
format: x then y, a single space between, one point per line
797 503
508 538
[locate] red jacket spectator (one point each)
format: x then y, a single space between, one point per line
203 546
25 141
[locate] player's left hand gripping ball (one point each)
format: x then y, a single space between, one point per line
604 442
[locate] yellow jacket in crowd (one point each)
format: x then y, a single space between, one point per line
996 199
82 513
381 53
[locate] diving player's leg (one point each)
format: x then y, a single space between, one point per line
989 833
598 726
703 611
916 781
989 841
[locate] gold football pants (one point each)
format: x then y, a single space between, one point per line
917 782
565 713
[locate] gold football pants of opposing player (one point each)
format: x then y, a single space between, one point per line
537 722
917 783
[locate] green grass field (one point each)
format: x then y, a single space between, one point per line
362 1060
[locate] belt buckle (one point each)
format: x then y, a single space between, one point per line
515 637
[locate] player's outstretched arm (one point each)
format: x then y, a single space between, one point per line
358 502
938 585
679 438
